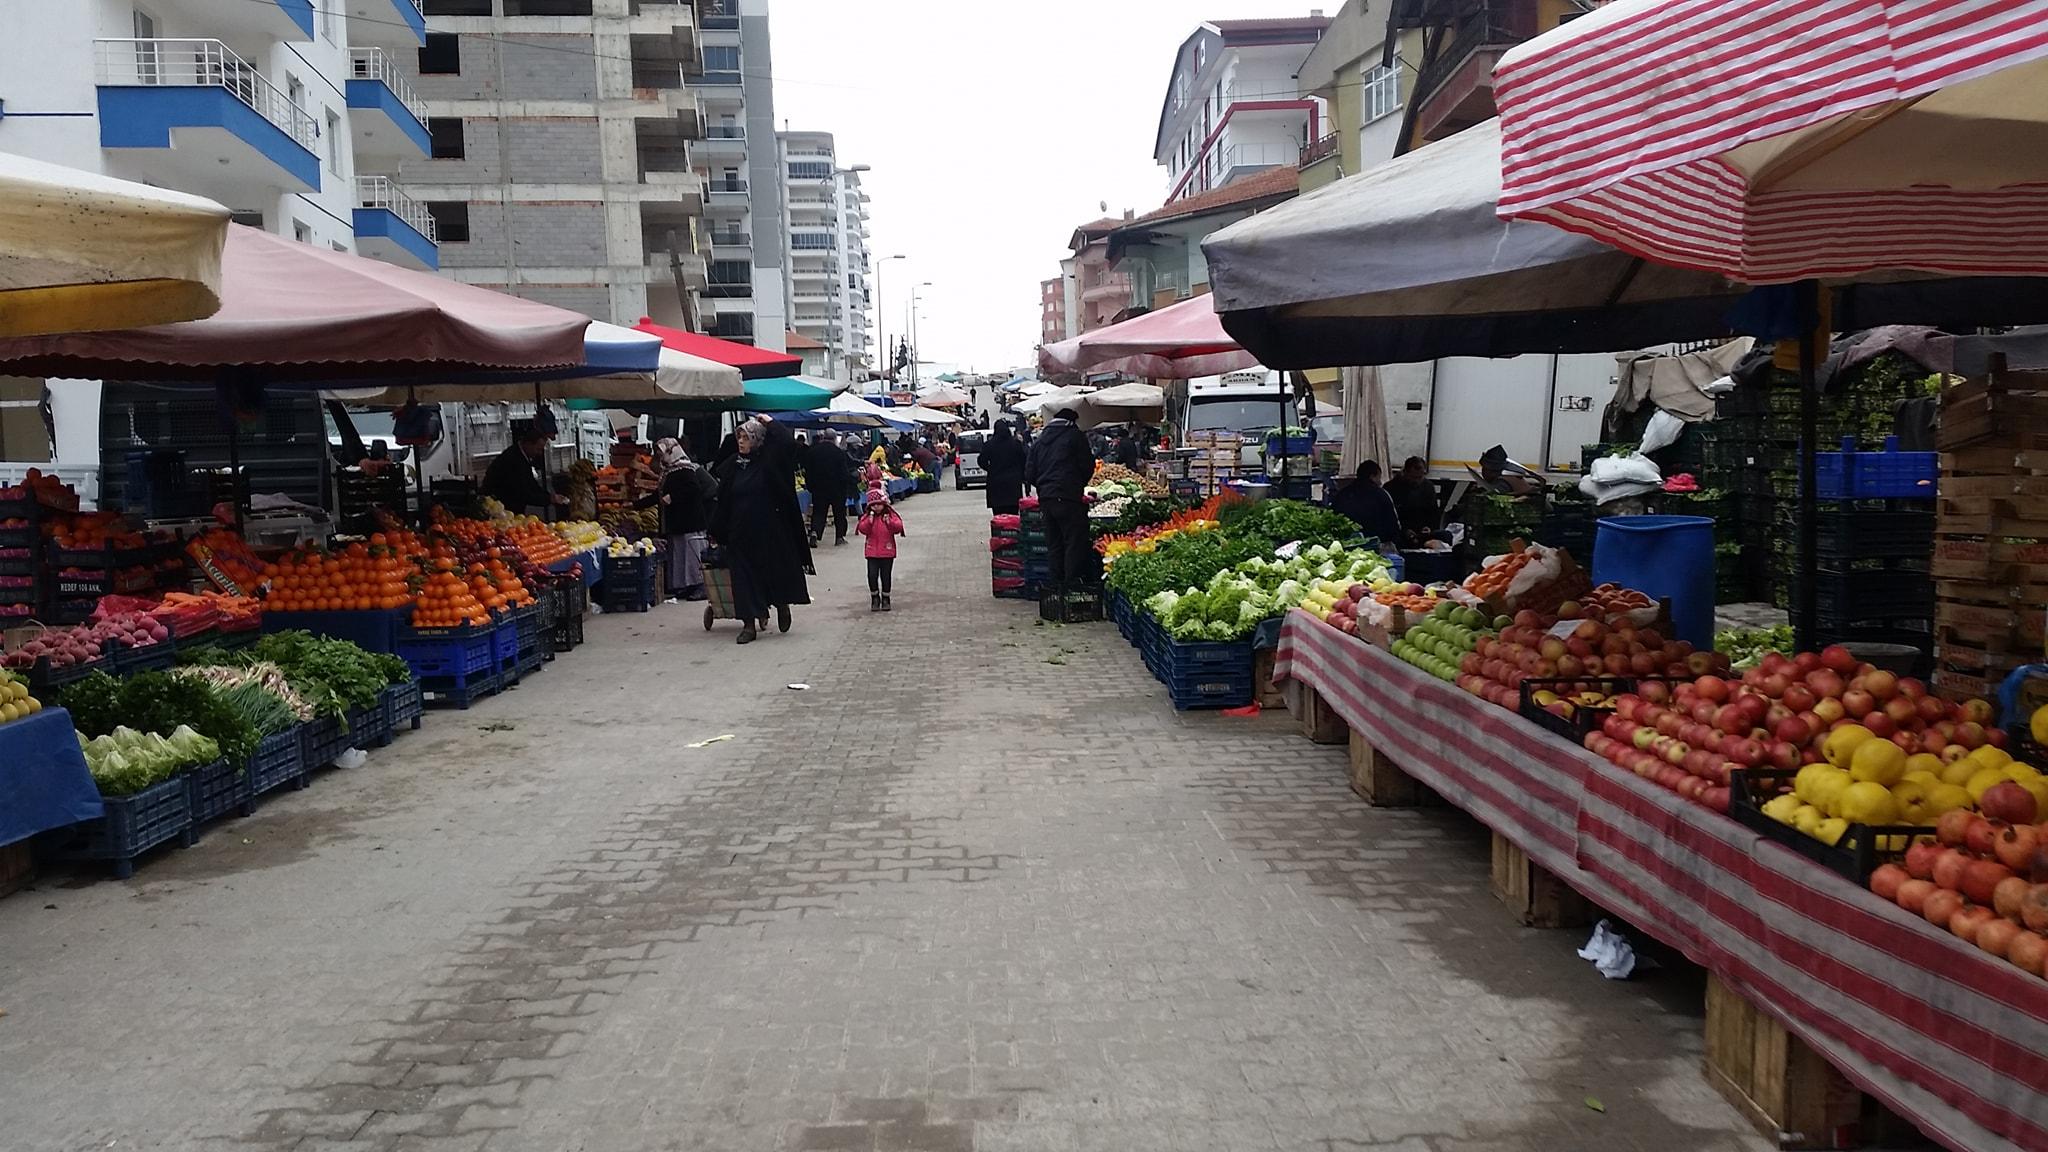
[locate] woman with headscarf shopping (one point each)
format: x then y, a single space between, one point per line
758 523
684 496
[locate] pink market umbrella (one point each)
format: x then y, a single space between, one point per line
1774 141
296 312
1178 342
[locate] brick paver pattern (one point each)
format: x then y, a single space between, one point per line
977 886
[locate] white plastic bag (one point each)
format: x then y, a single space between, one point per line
1663 431
1636 469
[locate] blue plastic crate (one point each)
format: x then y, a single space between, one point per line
403 705
377 630
463 693
133 825
451 653
214 790
1207 673
1295 445
367 727
277 761
321 740
527 624
1887 475
530 661
505 643
146 658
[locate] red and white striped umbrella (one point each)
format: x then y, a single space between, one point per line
1782 140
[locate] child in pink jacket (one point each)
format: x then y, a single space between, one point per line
881 525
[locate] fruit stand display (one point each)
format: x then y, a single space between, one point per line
1854 859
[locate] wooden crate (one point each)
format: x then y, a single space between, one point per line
17 867
1263 690
1990 561
1536 897
1319 722
1379 781
1794 1097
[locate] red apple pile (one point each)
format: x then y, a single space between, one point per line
1984 880
1689 738
1603 644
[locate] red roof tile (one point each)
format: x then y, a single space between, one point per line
1280 181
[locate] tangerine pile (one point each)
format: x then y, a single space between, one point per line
447 601
497 586
359 579
539 543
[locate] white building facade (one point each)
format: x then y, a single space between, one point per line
295 114
827 211
1233 106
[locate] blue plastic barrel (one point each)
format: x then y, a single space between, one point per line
1664 557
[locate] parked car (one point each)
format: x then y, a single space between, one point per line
967 470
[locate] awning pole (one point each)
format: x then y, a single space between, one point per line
1806 604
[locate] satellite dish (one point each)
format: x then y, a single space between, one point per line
1102 205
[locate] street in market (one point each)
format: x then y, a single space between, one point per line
556 593
874 913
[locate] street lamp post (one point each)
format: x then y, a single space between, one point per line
910 326
882 328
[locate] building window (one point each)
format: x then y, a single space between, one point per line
337 245
302 232
442 55
721 58
1382 91
810 170
327 19
451 220
295 92
333 142
446 134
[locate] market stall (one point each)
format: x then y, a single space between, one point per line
1946 1035
80 251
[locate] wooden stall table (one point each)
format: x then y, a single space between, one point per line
1944 1035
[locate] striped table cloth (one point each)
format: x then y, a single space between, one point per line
1948 1037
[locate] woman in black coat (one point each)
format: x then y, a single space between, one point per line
758 522
1002 458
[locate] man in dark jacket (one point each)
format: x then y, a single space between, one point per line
1415 499
1369 506
513 479
1059 466
828 474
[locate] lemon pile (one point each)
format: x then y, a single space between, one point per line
1869 780
15 702
582 535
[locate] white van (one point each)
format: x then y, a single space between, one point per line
967 469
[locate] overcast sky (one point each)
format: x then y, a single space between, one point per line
993 129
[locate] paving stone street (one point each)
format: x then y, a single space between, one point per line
977 887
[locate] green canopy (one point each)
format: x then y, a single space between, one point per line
779 394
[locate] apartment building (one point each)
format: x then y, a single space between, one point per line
739 163
1101 292
1457 43
829 295
296 114
1233 107
1052 310
1365 86
293 113
559 165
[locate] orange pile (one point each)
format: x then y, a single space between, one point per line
94 532
497 585
539 543
447 601
361 578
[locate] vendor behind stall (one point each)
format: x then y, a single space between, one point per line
1415 499
1369 506
514 478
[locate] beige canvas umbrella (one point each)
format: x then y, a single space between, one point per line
81 252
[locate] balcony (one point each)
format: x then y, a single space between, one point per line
662 270
1320 150
251 26
1454 87
399 25
393 227
725 288
738 242
200 108
666 112
726 193
717 15
388 121
670 197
